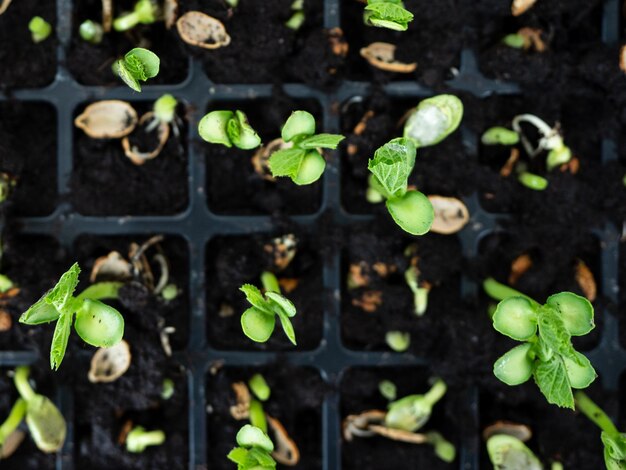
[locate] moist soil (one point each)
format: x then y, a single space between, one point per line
23 63
235 188
295 400
234 261
105 182
91 64
31 161
359 392
262 49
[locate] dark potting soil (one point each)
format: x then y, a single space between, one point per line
32 161
34 264
263 49
23 63
295 400
433 40
105 182
27 456
359 392
439 264
233 185
91 64
143 309
102 410
558 434
234 261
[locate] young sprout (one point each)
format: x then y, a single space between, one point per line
297 17
6 284
506 451
145 12
10 426
515 40
167 389
500 136
389 14
388 390
39 28
228 128
551 140
391 166
91 31
433 120
412 412
169 292
614 441
399 341
547 353
254 451
96 323
259 387
137 65
138 439
45 422
303 162
259 320
532 181
420 294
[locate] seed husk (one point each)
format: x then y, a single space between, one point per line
201 30
138 157
451 215
519 7
109 364
108 119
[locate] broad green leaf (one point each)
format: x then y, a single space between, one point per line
250 436
99 324
413 212
553 332
149 61
213 127
61 335
392 165
61 295
388 15
514 367
516 318
256 299
287 326
551 378
433 120
508 452
282 303
257 325
580 372
40 312
576 312
286 162
46 424
298 124
239 455
327 141
311 169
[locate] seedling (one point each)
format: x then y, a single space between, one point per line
614 441
388 390
259 387
500 136
303 162
167 389
145 12
91 31
139 439
389 14
96 323
254 451
507 451
137 65
433 120
547 353
39 28
399 341
259 320
412 412
228 128
297 16
391 166
45 422
420 294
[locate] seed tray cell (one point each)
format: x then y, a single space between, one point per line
198 226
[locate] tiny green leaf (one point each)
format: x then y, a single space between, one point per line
91 31
137 65
388 390
398 341
61 294
387 14
392 165
60 338
287 326
282 303
580 373
433 120
257 325
259 387
256 299
250 436
516 318
300 123
241 133
551 378
532 181
516 41
286 162
557 157
39 28
553 332
327 141
40 312
514 367
500 136
413 212
576 312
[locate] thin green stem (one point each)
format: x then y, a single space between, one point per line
101 290
436 392
498 291
21 383
595 413
270 283
13 420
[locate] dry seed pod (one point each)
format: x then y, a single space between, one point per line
586 281
6 322
107 15
382 56
11 443
358 425
398 434
286 451
109 119
138 157
112 267
242 409
622 59
260 160
519 7
4 4
451 215
519 431
170 11
201 30
519 266
109 364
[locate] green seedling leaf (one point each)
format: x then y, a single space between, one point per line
614 450
557 157
388 390
250 436
387 14
413 212
580 372
575 311
514 367
263 460
40 312
532 181
241 133
98 324
500 136
509 452
259 387
286 162
554 334
300 123
551 378
398 341
145 12
283 303
61 295
516 41
137 65
392 165
258 325
256 299
212 127
327 141
239 455
287 326
60 339
40 29
138 439
516 318
412 412
433 120
270 282
311 169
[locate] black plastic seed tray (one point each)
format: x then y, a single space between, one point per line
197 225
